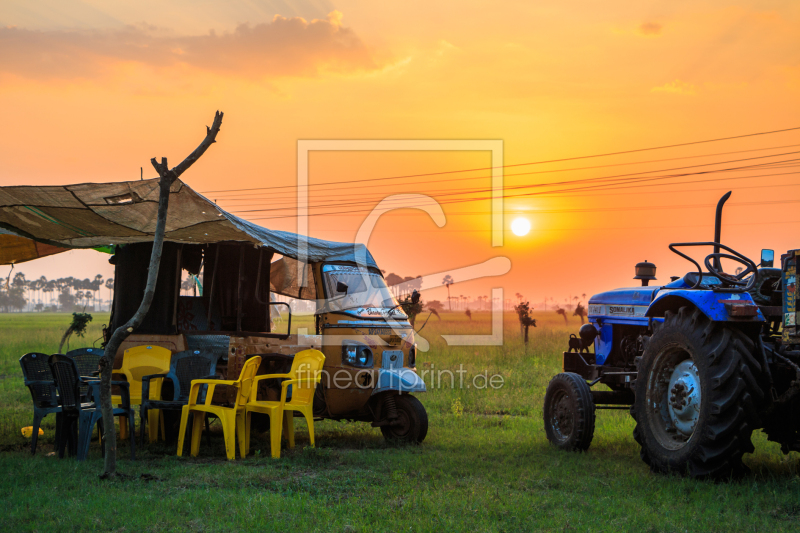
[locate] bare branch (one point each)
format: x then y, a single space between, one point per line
162 168
122 332
211 138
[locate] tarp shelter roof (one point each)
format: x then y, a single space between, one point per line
36 221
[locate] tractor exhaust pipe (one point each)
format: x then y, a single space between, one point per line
718 228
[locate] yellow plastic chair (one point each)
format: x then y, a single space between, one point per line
303 377
232 418
138 362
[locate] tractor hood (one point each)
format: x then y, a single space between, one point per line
623 303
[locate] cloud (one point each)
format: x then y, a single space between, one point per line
675 87
650 29
283 47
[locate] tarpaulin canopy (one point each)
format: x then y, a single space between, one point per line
36 221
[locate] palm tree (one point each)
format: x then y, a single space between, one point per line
33 286
110 287
447 281
96 284
42 286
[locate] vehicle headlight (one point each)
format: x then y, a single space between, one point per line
356 354
349 354
412 355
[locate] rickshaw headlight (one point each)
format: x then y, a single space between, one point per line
364 356
349 353
356 354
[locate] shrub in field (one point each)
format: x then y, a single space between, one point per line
456 408
411 306
434 306
580 311
563 313
78 326
523 311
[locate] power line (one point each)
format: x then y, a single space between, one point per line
538 211
525 164
608 186
293 195
567 195
443 230
619 177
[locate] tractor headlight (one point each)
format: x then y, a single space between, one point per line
356 354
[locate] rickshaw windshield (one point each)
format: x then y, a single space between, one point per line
364 288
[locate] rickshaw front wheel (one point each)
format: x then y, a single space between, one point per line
412 421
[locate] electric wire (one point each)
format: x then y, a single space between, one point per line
293 195
622 177
611 186
526 164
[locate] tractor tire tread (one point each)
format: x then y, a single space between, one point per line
584 411
732 393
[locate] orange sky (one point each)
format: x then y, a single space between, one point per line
91 90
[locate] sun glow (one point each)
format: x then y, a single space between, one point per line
520 226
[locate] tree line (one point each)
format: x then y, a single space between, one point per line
18 293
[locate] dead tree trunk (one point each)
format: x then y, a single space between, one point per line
64 338
168 177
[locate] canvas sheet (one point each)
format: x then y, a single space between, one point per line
36 221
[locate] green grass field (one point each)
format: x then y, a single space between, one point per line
484 466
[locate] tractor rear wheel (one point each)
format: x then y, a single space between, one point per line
569 412
697 397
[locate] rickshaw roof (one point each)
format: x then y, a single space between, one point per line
36 221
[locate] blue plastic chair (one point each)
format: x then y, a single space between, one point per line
39 380
184 367
74 412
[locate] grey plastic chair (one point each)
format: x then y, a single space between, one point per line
39 380
184 367
75 412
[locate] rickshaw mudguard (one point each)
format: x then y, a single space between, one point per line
398 379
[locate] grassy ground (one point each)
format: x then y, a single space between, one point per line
485 465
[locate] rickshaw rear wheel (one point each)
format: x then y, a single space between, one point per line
412 421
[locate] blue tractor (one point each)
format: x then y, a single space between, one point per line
701 362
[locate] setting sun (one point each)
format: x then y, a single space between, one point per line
521 226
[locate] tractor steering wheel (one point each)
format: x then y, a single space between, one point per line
731 279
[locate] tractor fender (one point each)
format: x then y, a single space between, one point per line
710 303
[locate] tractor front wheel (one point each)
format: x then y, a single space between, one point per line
569 413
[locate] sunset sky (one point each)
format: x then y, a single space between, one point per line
92 90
